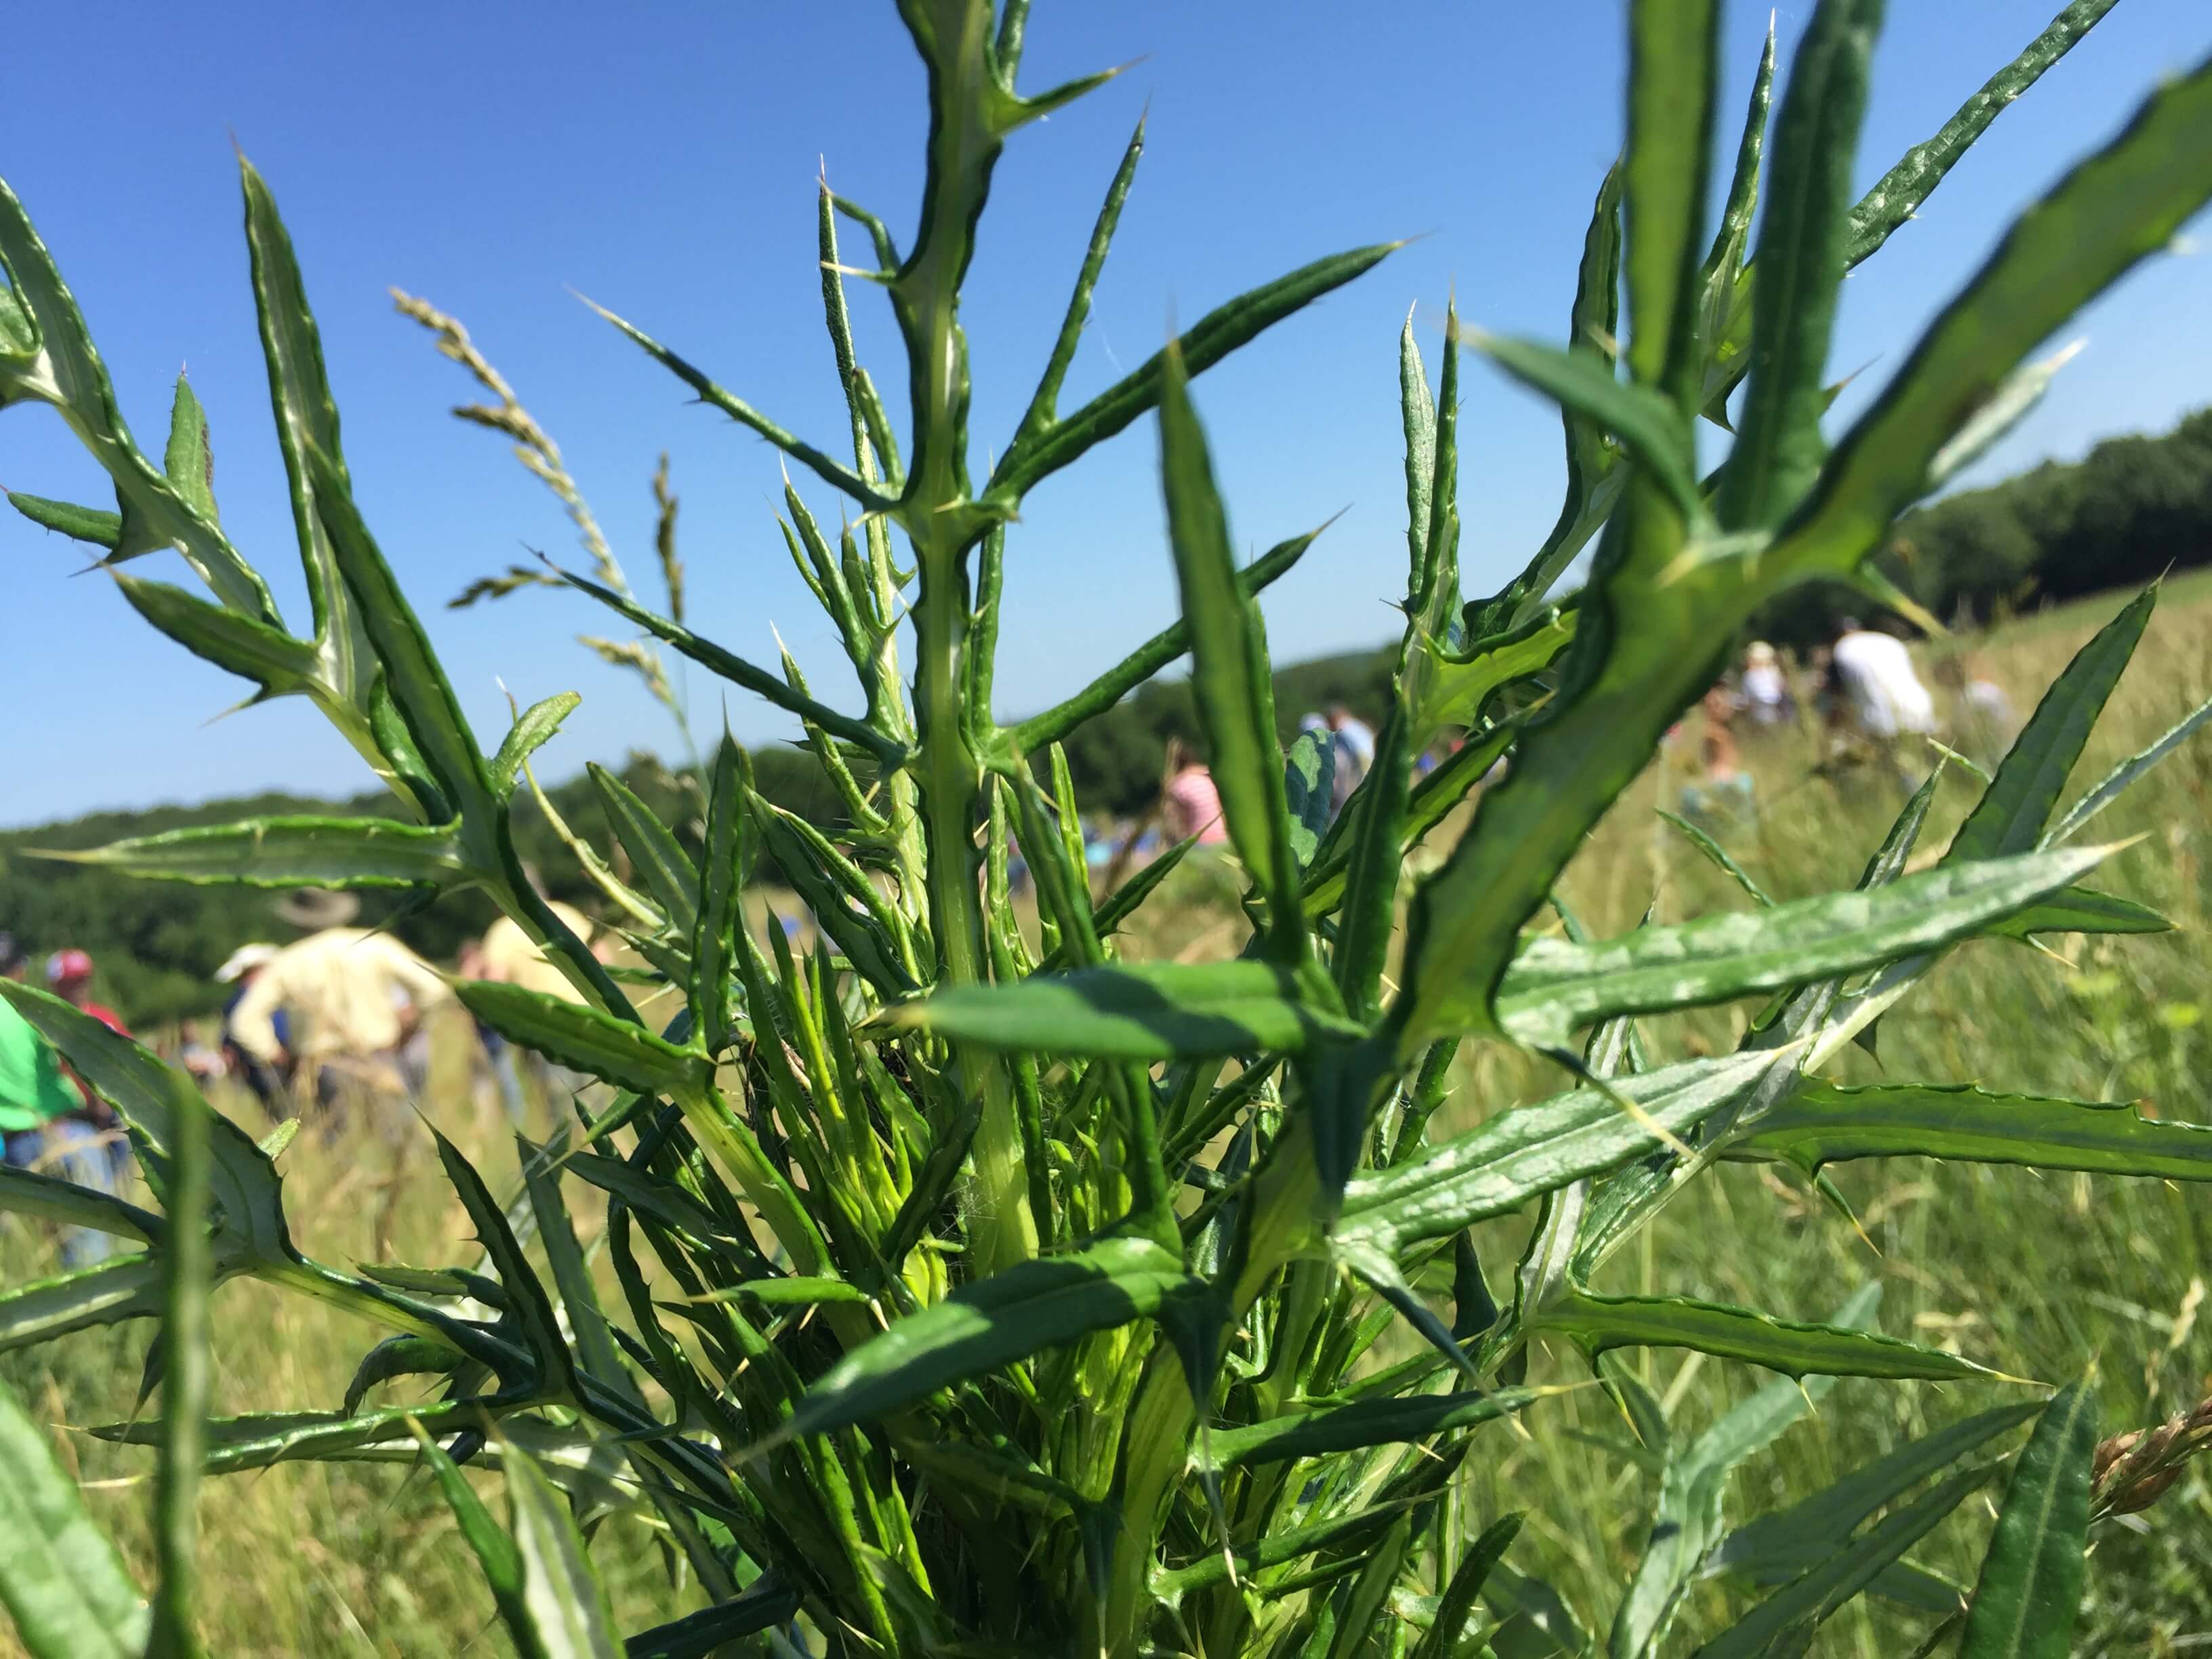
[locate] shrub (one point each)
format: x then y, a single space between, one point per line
1010 1298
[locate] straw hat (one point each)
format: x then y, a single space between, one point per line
243 961
1761 654
314 908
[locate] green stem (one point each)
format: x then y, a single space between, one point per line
1004 1231
1285 1199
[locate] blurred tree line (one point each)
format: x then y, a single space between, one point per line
2130 509
157 944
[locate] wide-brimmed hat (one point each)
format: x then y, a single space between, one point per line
243 961
313 908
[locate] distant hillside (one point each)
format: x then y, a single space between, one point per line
157 943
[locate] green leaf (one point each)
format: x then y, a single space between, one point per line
234 641
2084 910
494 1549
2111 211
1593 476
2029 1590
1442 1640
1405 1419
1529 1151
1673 76
2020 799
122 1287
1159 1010
1600 1323
1231 676
668 870
565 1610
1823 1123
60 1577
188 459
572 1273
767 1602
307 418
1216 334
527 1303
531 731
828 470
1457 689
1898 194
1538 1623
187 1274
1554 985
1045 403
287 852
1369 915
1346 1536
2121 776
1648 425
1035 1305
417 685
65 370
718 911
1811 1599
1417 412
83 524
845 904
1687 1524
26 1192
1780 1545
402 1356
748 676
1040 732
1309 792
1778 447
617 1051
1720 858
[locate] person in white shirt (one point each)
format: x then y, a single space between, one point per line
1876 674
1875 686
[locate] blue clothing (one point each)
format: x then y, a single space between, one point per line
70 1149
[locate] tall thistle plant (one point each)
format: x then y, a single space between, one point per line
963 1295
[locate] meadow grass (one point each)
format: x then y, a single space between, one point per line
2041 1277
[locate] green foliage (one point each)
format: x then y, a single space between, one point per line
943 1353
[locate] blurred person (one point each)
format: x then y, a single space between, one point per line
1355 751
1875 682
1983 719
41 1126
1190 804
508 956
1874 674
69 976
239 970
1725 791
200 1059
1765 688
355 1002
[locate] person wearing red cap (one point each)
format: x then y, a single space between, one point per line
69 976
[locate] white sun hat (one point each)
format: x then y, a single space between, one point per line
243 961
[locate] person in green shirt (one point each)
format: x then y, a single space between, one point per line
40 1129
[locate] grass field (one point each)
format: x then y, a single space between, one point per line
2036 1277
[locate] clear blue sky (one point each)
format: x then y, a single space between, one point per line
662 159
